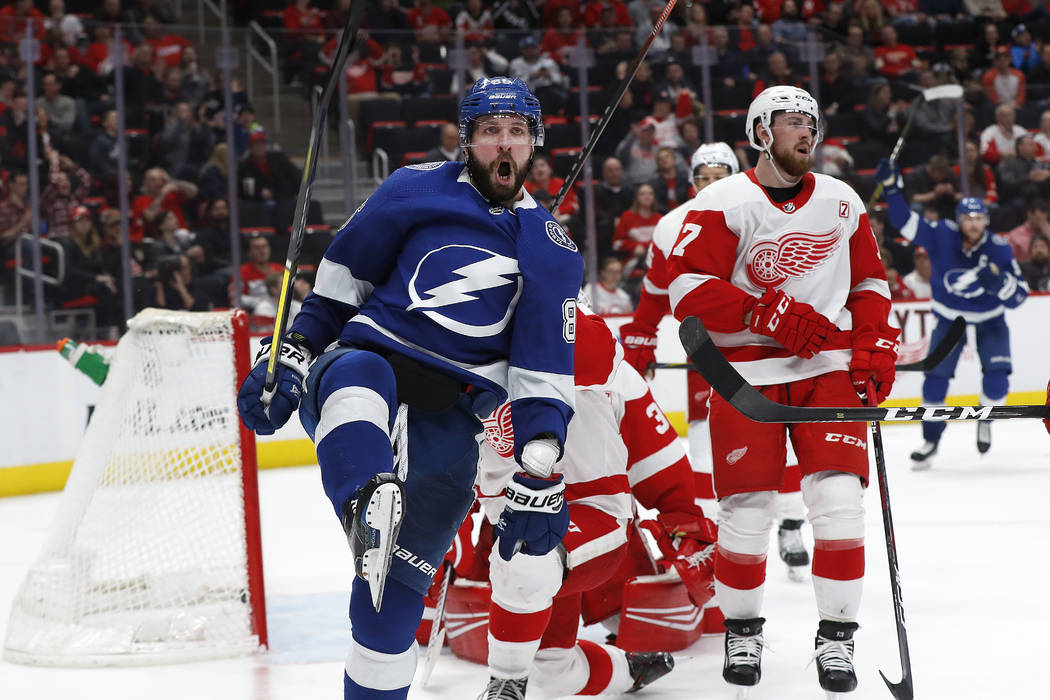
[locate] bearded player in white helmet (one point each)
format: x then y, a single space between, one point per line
774 261
710 162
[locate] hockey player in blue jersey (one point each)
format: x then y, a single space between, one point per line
974 276
446 293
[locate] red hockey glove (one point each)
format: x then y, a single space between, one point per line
794 324
639 345
874 355
686 541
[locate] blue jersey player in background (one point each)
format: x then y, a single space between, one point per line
974 276
447 292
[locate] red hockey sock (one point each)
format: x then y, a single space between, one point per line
838 560
740 571
507 626
601 668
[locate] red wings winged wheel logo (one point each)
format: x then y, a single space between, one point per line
499 431
771 263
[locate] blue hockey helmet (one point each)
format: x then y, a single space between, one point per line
500 96
970 205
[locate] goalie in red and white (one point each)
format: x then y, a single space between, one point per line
771 261
710 163
619 443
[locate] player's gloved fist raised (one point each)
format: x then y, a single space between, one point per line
888 175
794 324
295 359
874 356
639 345
535 519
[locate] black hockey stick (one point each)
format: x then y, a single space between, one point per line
936 356
748 400
302 201
902 690
577 165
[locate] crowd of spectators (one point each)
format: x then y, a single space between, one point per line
874 58
176 162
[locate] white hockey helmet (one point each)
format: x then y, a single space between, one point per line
718 154
781 98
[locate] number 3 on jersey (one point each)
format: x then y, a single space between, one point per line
687 236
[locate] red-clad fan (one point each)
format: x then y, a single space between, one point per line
771 261
536 600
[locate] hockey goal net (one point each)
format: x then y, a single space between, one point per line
154 554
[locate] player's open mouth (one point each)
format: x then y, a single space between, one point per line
504 173
803 149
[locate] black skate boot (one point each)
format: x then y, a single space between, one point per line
920 458
792 549
984 436
743 664
834 656
646 666
371 521
504 689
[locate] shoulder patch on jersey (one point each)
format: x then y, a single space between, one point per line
433 165
557 234
999 239
351 217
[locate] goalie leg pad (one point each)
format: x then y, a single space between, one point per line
658 615
836 511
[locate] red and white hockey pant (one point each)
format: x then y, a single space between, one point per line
789 498
535 611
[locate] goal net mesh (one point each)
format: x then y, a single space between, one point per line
146 561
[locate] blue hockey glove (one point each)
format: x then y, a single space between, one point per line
991 277
291 368
888 175
536 517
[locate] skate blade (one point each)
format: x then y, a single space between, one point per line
383 513
921 465
797 573
743 692
831 695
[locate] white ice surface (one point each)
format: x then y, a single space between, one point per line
973 537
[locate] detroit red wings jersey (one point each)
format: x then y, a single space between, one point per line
618 439
736 243
655 302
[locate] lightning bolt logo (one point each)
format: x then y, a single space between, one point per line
492 271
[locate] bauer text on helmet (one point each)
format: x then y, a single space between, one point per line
500 97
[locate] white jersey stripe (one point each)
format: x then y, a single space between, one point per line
685 283
598 546
911 227
655 463
495 372
336 282
880 287
526 383
652 288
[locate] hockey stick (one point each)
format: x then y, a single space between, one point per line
437 627
302 201
748 400
939 92
577 165
902 690
936 356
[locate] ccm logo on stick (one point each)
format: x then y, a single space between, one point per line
845 440
939 413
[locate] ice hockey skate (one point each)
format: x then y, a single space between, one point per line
920 458
646 667
371 522
504 689
743 648
833 653
793 549
984 436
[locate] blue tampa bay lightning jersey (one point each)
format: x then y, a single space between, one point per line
429 268
957 282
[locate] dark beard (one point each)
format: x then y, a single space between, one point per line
483 180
